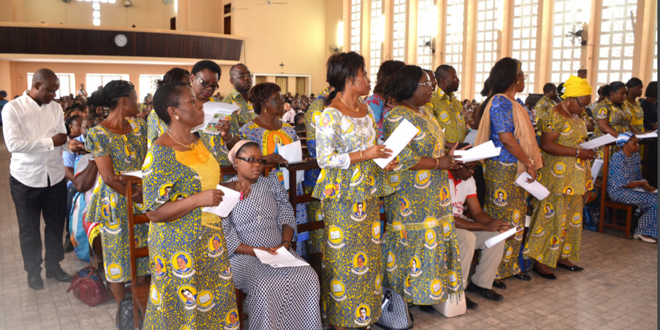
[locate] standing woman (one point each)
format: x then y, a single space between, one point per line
118 145
610 114
156 126
634 87
507 123
349 187
191 285
378 101
421 249
556 228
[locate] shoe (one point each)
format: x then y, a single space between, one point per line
550 276
427 309
486 293
35 282
471 305
574 268
499 284
68 247
644 238
522 276
58 274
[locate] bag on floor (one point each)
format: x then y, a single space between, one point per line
88 287
394 314
454 306
76 228
126 315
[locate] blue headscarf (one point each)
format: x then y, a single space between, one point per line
623 138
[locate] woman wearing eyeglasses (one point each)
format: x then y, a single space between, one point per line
420 224
277 298
556 230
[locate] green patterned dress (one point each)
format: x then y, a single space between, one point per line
352 274
108 207
618 117
191 286
421 250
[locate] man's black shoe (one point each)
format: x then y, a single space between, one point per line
486 293
522 276
471 305
58 274
499 284
35 282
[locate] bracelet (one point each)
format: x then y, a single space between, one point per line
577 152
437 163
361 156
286 241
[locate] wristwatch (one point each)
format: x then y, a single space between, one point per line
286 241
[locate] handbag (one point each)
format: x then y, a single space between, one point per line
88 287
394 313
454 306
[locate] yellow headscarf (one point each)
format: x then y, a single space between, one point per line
576 87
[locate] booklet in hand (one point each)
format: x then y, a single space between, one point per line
214 112
282 259
397 141
535 188
480 152
229 201
598 142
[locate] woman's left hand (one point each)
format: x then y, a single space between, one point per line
224 127
649 187
243 187
392 165
137 194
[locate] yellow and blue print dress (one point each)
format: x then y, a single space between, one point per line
618 117
448 112
421 251
351 288
243 115
155 127
556 227
191 285
637 113
108 207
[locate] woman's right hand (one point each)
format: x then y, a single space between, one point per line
210 198
269 250
449 161
275 159
532 172
377 151
587 154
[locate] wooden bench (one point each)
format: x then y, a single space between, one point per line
606 202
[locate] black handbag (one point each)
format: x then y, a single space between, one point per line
126 315
394 314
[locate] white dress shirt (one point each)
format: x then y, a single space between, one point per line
289 116
28 129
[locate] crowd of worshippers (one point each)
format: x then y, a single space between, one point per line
439 210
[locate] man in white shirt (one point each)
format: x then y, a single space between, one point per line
289 114
473 233
35 135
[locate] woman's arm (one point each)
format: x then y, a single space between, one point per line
175 210
107 172
85 180
549 145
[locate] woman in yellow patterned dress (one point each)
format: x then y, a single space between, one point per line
118 145
156 126
191 286
421 250
349 187
610 114
556 227
634 87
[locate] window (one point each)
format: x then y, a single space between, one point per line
96 10
399 31
94 81
356 18
426 31
654 73
617 41
525 15
454 37
568 15
67 84
148 85
377 36
488 13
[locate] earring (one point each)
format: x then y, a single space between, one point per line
176 117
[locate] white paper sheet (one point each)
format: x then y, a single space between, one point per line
133 173
471 136
482 151
397 141
280 260
213 113
229 201
83 163
640 189
595 168
292 152
598 142
652 135
535 188
496 239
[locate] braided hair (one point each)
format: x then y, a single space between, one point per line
110 95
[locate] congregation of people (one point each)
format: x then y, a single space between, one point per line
439 210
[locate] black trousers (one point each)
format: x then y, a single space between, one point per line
30 203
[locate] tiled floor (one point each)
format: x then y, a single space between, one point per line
617 289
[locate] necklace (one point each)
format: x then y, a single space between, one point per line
356 109
175 140
411 106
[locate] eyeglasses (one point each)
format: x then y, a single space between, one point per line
427 83
205 84
253 160
243 76
582 105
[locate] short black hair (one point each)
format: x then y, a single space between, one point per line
77 106
167 96
652 89
342 67
234 66
260 93
547 88
109 95
634 82
70 121
405 82
503 75
206 64
442 71
613 87
174 74
298 116
386 71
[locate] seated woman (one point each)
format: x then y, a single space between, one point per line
624 182
277 298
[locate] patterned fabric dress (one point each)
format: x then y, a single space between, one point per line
155 127
421 250
542 106
269 141
504 199
352 274
635 109
108 208
622 171
277 298
191 285
216 145
448 111
242 115
556 227
618 117
380 109
314 211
